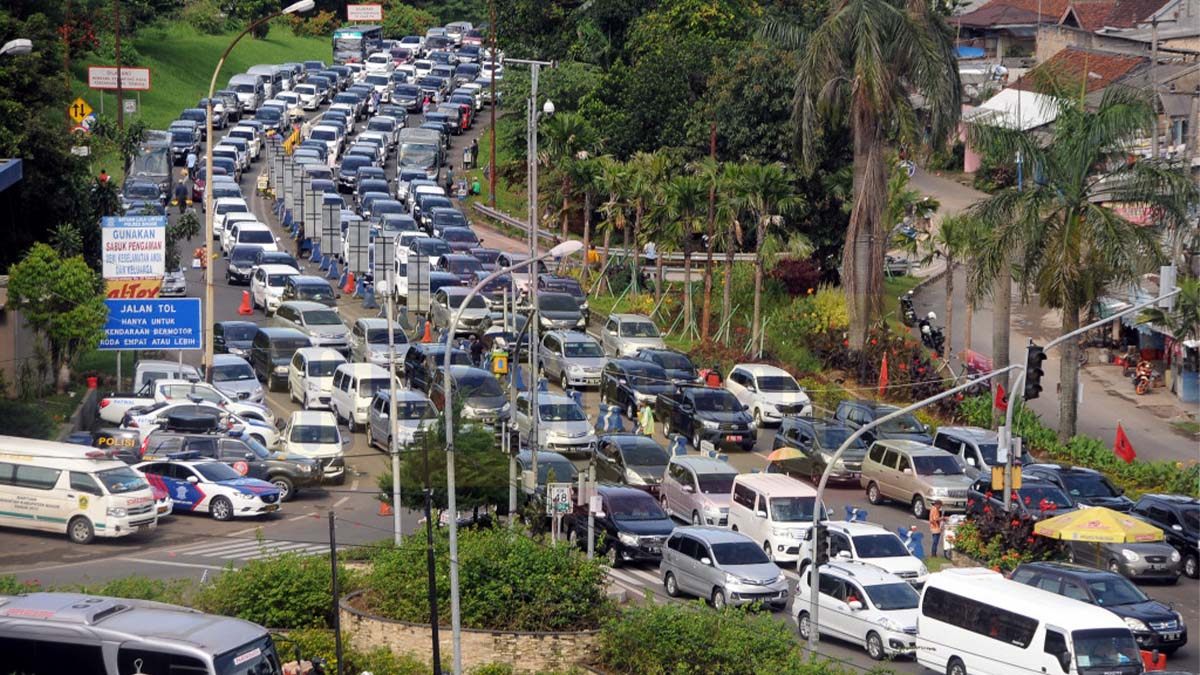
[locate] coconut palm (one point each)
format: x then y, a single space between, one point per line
861 67
647 171
1058 232
764 192
585 176
712 173
613 183
952 243
1183 319
563 137
684 208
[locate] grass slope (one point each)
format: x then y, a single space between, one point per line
181 62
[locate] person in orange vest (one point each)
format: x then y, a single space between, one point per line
201 254
103 175
935 527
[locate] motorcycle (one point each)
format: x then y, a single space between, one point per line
1144 378
932 337
908 314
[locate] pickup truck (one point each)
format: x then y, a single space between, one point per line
145 374
159 391
706 414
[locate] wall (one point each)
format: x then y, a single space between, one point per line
525 651
1053 38
17 341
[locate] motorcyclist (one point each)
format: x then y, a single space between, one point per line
1144 369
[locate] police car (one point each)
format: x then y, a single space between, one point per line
209 486
162 416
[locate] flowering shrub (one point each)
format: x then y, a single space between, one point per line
1002 541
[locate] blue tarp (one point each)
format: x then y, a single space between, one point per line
964 52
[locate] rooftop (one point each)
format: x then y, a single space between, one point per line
1075 65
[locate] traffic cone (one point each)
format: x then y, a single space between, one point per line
385 509
245 309
428 337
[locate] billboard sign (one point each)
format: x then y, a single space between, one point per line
133 289
366 12
105 77
133 247
153 324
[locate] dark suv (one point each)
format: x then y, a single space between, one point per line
856 414
244 454
631 459
678 366
627 383
817 441
1085 486
632 527
422 360
1179 518
1035 498
1154 624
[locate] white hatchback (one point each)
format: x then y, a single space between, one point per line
310 375
266 286
315 434
870 544
864 604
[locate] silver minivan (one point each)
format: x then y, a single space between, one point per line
250 91
725 567
415 415
697 488
321 324
572 358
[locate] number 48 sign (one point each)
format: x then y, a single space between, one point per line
558 499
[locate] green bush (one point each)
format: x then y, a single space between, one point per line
28 420
206 17
10 586
508 581
281 591
173 591
321 24
311 642
687 639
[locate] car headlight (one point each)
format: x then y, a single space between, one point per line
281 370
244 495
627 539
1135 624
709 424
1174 556
1129 555
575 369
305 468
922 570
712 508
888 624
116 512
633 478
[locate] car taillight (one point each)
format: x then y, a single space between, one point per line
145 444
132 424
104 402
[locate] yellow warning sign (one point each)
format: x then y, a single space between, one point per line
79 110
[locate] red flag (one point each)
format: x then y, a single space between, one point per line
883 375
1001 402
1122 447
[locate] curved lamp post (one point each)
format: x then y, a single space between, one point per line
16 47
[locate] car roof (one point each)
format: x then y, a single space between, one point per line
275 268
757 369
549 397
320 353
776 484
281 331
1068 568
525 456
402 395
233 322
857 528
909 446
374 321
622 491
228 360
1179 500
712 535
313 417
305 305
308 279
636 364
1048 467
571 336
702 464
976 434
630 317
862 572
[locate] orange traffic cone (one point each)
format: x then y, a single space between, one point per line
385 509
245 309
428 337
349 287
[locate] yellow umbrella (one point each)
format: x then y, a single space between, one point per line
784 453
1100 525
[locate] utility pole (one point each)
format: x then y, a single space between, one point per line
393 423
337 611
492 112
509 312
120 90
429 568
1154 86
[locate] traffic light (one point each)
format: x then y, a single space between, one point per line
821 545
1033 371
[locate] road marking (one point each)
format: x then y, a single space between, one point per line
173 564
301 517
341 501
248 530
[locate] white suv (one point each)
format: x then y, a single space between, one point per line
870 544
770 393
863 604
266 286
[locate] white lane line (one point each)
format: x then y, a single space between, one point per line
172 564
248 530
264 552
339 502
221 550
301 517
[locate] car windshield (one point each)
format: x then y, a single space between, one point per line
561 412
238 333
477 301
647 377
1088 485
322 317
379 336
460 234
793 509
367 388
879 546
417 154
673 361
256 237
988 451
432 247
120 480
141 191
716 400
277 280
1036 494
635 507
904 424
464 266
476 384
182 136
778 383
564 471
450 218
557 303
1105 648
739 553
215 471
583 350
715 483
414 410
314 292
1115 590
233 372
257 448
638 329
943 465
898 595
323 135
323 368
832 437
314 433
642 451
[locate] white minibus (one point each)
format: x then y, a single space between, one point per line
973 621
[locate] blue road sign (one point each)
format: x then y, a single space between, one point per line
153 324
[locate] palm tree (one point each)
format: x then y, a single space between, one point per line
585 176
647 170
612 182
1182 320
730 213
712 173
861 66
1067 244
684 205
564 136
951 242
765 193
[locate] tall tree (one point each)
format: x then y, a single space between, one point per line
952 242
684 201
647 170
563 137
862 65
1183 319
1068 244
712 173
614 185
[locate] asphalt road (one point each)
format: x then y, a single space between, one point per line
187 546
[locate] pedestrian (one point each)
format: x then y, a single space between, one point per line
103 175
474 152
181 196
191 165
476 350
450 178
475 186
593 256
645 419
935 527
425 105
300 241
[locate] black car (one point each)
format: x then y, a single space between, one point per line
122 444
818 440
1037 499
1154 624
556 283
678 366
859 413
233 337
564 472
707 414
423 359
558 311
1179 518
1085 486
239 264
627 383
248 457
631 459
631 526
265 257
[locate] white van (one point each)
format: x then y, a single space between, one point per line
774 510
973 620
251 232
354 385
310 375
57 487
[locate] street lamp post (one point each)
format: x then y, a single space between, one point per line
813 569
209 311
16 47
562 250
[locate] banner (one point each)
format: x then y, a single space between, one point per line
133 247
105 77
133 289
364 12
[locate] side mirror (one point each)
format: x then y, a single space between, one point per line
1064 660
855 605
907 472
193 480
243 395
745 408
761 514
706 561
248 456
928 428
970 461
843 554
688 489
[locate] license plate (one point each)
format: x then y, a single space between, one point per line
655 550
1169 637
733 438
272 507
143 528
1158 568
